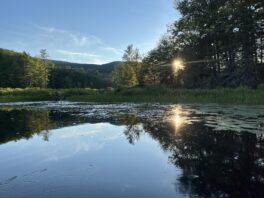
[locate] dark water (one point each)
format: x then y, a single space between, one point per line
127 150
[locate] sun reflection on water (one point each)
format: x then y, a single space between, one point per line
178 118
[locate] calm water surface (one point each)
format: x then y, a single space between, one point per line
62 149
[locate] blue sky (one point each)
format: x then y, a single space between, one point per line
83 31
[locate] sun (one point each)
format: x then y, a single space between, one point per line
177 65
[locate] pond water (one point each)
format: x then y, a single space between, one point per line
64 149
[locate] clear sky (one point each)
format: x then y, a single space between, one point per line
83 31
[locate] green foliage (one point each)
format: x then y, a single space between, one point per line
124 76
161 94
104 70
75 78
46 66
220 42
20 70
171 95
37 94
128 73
131 54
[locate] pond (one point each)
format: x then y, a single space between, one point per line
66 149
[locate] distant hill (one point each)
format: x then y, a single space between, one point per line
103 69
22 70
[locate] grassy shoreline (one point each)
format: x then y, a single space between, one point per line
137 95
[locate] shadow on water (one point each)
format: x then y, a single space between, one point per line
214 163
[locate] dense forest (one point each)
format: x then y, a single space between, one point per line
216 43
22 70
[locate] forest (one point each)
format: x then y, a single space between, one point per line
217 43
20 70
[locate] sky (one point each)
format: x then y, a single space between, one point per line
84 31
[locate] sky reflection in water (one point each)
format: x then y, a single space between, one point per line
128 150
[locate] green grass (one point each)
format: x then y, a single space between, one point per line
36 94
150 94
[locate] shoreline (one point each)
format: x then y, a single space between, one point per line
137 95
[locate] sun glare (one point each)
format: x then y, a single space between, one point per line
177 65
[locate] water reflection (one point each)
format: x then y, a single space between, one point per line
178 118
213 162
24 123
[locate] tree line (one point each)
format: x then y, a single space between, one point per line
20 70
218 42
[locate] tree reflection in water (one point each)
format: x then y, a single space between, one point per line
213 163
16 124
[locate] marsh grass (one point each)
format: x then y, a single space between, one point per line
167 95
240 95
36 94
